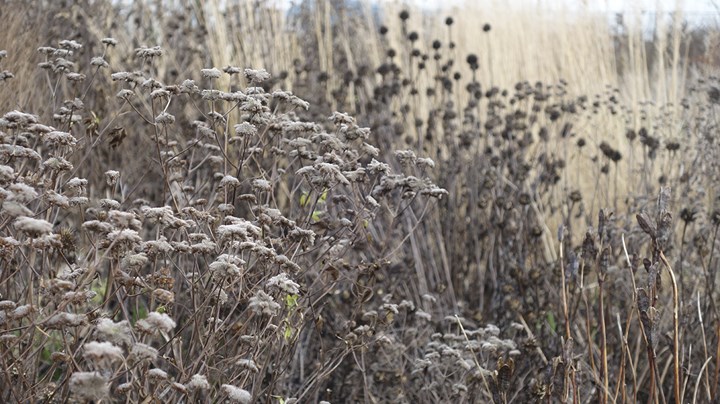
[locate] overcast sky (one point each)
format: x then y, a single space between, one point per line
703 6
695 11
689 6
610 5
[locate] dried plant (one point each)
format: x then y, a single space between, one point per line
352 220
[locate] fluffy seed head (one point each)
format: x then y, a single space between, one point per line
211 73
89 385
156 322
33 227
236 394
198 382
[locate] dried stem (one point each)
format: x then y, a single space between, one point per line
676 330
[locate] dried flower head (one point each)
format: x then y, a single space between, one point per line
229 181
232 70
102 351
198 382
227 265
212 73
124 388
109 41
262 303
142 353
157 374
61 320
163 296
149 53
22 192
245 129
236 394
283 282
14 209
77 186
33 227
256 76
70 44
89 385
165 119
156 322
118 333
248 364
261 184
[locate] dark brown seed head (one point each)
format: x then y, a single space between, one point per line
589 250
688 215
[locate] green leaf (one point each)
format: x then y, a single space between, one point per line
551 321
291 301
317 215
99 288
138 315
304 199
288 332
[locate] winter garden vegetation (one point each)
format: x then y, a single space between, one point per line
236 203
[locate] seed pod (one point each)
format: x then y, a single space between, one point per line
589 250
505 371
568 351
604 263
663 201
643 304
646 224
634 263
664 229
654 279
